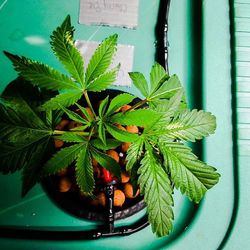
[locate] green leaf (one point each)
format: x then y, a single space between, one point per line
158 76
167 89
110 144
191 176
71 137
84 172
101 132
140 82
41 75
103 106
62 44
192 125
21 131
119 101
62 159
139 117
157 190
107 162
74 116
85 113
134 153
104 80
65 99
121 135
101 59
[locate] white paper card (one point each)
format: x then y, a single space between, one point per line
122 13
124 56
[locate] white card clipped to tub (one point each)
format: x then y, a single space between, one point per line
121 13
124 56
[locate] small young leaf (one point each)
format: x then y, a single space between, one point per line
103 81
110 144
119 101
101 132
191 176
158 75
140 82
85 112
101 58
103 106
65 99
74 116
62 44
41 75
121 135
62 159
84 172
157 190
139 117
107 162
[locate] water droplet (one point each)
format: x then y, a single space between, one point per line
33 214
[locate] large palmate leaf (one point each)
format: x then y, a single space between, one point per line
192 125
84 171
155 185
40 74
191 176
62 44
101 59
25 133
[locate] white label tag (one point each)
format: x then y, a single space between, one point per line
124 56
122 13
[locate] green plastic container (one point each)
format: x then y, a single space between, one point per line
199 53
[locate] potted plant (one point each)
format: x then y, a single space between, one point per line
50 125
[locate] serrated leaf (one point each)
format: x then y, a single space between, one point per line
155 185
140 82
65 99
121 135
107 162
84 172
85 112
74 116
158 76
62 44
167 89
134 153
62 159
101 59
119 101
191 176
41 75
70 137
192 125
104 80
101 132
110 144
139 117
103 106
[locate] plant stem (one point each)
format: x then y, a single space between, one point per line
137 105
89 103
90 133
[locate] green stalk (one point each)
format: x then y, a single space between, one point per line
137 105
61 132
89 103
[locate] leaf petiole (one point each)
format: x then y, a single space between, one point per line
61 132
89 103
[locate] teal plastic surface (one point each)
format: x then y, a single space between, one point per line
196 55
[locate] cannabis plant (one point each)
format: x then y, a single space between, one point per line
158 158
